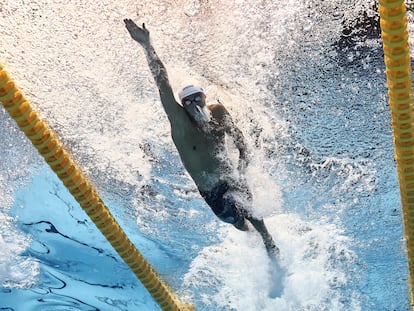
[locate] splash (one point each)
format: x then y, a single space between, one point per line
277 67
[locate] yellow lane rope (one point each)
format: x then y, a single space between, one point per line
48 145
398 70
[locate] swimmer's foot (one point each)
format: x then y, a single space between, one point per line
270 245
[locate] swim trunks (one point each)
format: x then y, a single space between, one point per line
224 206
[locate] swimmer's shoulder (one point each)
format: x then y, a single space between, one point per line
218 110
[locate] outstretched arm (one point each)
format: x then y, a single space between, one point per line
142 36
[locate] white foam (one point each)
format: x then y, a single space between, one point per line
243 274
17 270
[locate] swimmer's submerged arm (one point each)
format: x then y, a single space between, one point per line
157 68
236 134
238 138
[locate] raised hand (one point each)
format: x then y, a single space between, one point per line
141 35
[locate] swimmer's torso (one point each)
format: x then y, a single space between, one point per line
202 153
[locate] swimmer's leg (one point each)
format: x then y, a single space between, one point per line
270 245
241 224
230 213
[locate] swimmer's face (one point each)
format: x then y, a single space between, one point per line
195 105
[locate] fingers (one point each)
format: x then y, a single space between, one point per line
130 24
141 35
128 21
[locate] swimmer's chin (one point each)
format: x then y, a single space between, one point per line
202 118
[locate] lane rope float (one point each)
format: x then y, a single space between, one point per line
394 35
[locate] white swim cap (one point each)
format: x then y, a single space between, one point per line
189 90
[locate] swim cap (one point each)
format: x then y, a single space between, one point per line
189 90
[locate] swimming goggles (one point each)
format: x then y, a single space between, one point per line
189 101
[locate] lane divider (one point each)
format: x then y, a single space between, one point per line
393 19
49 146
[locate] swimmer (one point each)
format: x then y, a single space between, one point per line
198 132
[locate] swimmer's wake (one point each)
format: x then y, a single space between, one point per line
277 275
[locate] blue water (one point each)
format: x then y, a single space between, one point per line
311 102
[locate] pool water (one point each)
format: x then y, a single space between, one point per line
304 81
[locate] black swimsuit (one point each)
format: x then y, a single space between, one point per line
225 208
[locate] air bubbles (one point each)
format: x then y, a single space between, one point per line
16 270
192 8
